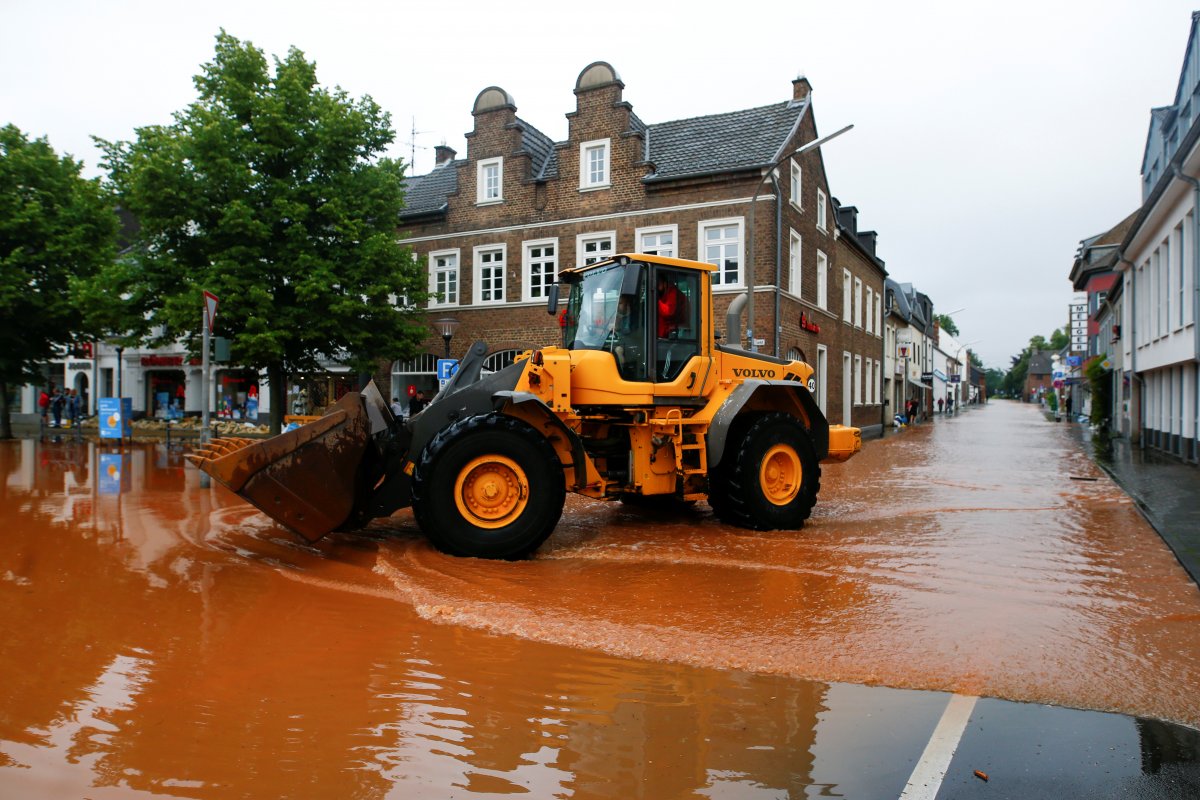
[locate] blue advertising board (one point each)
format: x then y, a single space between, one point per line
116 417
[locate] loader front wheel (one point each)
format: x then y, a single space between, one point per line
489 486
771 481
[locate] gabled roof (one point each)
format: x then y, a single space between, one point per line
730 142
1039 363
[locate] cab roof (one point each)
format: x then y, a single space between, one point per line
625 258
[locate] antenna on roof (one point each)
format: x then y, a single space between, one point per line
412 144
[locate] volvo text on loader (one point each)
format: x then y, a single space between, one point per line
638 400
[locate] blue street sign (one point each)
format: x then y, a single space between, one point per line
446 367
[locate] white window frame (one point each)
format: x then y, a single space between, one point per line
583 239
482 196
527 263
434 270
657 230
587 181
822 212
797 186
858 302
869 309
858 379
878 313
701 250
795 263
847 304
477 267
822 280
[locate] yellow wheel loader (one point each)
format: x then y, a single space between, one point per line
640 400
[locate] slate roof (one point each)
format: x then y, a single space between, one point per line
1040 363
721 142
426 194
728 142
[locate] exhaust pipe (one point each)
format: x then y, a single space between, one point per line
733 322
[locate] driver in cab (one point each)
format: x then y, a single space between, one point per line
668 306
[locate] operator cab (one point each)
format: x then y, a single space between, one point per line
645 313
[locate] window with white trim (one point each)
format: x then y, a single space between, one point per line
868 379
869 308
658 241
858 380
443 278
593 247
721 245
489 274
878 313
797 198
539 268
822 212
822 280
846 289
858 303
490 181
794 283
594 164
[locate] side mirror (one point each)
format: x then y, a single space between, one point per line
552 299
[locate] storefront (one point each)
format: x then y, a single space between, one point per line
165 383
237 394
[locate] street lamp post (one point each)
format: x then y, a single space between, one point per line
446 326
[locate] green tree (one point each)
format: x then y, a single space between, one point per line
56 230
946 323
271 192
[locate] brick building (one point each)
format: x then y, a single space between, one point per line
495 227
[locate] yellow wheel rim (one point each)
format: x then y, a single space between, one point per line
491 491
780 474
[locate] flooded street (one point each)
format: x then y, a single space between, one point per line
160 638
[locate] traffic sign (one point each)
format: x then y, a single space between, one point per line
446 367
1058 383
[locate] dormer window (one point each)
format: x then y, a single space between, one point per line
490 185
594 164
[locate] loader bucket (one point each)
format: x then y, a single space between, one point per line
305 479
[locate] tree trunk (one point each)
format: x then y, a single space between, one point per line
5 420
277 380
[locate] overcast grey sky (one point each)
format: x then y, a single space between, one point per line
989 137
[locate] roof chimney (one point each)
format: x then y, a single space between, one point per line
868 240
801 88
443 154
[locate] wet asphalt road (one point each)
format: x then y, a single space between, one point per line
162 639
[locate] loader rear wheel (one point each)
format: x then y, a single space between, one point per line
771 481
490 487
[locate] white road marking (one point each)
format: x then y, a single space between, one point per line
927 776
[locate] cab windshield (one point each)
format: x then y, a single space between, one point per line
591 316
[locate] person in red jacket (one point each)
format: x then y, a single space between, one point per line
668 306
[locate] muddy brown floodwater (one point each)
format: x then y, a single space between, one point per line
159 638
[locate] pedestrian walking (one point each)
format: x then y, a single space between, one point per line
44 406
941 403
950 404
72 408
56 408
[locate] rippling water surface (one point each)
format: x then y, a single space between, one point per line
161 638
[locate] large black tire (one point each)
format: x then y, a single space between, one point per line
489 487
771 480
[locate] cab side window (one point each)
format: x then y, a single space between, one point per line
677 300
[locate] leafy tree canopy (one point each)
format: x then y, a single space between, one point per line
271 192
56 229
946 323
